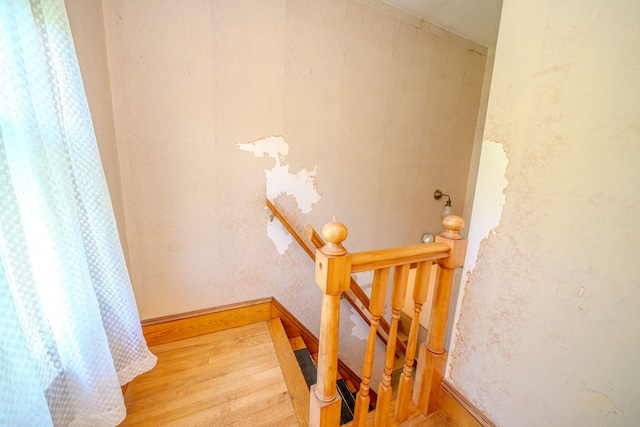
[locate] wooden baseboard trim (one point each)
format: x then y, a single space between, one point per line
456 409
176 327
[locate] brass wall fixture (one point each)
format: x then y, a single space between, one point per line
446 209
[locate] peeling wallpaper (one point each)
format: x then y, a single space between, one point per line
547 333
301 185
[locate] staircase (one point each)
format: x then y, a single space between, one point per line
425 270
208 389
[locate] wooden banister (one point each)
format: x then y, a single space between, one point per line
318 242
333 269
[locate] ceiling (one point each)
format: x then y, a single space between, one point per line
476 20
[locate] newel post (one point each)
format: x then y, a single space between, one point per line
333 272
432 357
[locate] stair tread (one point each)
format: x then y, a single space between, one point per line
293 376
297 343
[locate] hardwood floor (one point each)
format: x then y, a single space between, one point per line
226 378
244 376
433 420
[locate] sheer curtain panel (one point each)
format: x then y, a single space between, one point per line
69 329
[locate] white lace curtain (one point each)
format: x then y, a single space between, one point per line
69 329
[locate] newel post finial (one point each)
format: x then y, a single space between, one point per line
334 233
452 224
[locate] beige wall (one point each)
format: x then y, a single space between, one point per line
548 331
376 111
382 110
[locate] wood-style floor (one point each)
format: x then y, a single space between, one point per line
227 378
245 376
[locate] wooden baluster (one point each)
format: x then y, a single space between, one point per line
400 277
376 307
432 358
333 271
420 289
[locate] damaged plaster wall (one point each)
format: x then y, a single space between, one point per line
385 110
301 185
375 112
488 202
548 328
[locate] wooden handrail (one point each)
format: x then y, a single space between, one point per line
333 269
371 260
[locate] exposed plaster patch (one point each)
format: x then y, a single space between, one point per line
489 198
488 203
279 236
365 280
271 146
301 185
360 329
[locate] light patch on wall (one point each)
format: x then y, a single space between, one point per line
599 403
279 236
360 329
301 185
271 146
365 280
488 202
489 199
